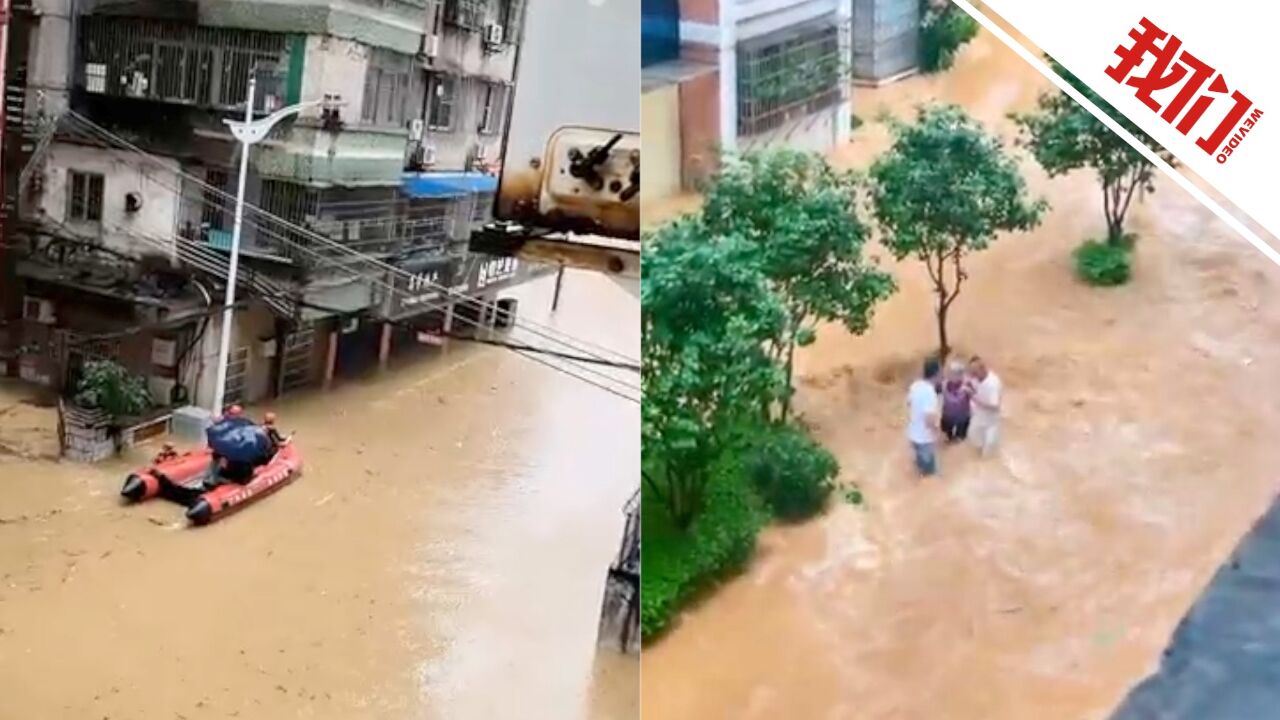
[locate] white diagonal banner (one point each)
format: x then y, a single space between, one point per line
1195 76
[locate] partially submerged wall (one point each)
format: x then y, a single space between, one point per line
886 39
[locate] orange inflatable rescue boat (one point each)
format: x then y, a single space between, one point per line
190 479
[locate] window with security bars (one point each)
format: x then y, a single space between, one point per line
178 62
84 196
493 103
788 77
467 14
217 205
387 88
442 101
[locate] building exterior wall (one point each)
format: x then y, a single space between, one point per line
251 326
660 133
392 24
158 216
886 39
700 119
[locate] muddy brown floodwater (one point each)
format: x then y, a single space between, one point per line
1045 581
443 556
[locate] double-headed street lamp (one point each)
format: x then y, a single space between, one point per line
249 132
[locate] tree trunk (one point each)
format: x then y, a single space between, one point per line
944 347
786 400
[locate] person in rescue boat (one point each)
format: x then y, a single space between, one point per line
273 433
167 453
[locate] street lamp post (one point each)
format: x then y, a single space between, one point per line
249 133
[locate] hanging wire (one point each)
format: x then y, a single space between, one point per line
546 331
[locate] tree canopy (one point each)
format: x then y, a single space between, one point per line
1065 137
947 188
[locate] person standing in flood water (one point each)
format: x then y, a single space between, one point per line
988 392
956 395
923 418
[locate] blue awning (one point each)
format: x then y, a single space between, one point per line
445 185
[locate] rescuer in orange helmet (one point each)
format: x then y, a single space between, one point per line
269 422
167 453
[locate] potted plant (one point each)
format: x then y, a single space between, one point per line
109 388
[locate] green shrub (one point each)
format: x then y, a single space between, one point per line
676 566
1103 264
792 473
943 31
108 386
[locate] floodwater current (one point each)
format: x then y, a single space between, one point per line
1042 582
443 556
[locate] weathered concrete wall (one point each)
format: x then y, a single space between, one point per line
353 156
885 39
158 216
50 57
251 324
660 134
700 123
392 24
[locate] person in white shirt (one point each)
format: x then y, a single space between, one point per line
923 412
988 393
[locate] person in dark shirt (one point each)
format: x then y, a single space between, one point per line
957 392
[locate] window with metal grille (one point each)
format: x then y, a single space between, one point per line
84 198
482 211
443 93
216 206
467 14
788 76
493 101
387 88
177 62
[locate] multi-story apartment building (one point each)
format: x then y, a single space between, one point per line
736 74
372 189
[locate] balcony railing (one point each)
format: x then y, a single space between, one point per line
180 63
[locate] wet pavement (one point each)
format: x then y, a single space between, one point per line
1044 581
443 555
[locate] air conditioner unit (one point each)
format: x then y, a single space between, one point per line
493 34
482 152
38 310
416 126
267 348
428 154
431 47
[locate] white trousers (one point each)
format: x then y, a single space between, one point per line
984 433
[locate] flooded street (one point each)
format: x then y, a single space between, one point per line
443 555
1045 581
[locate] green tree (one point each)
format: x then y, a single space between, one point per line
944 29
800 217
943 190
1065 137
108 386
707 313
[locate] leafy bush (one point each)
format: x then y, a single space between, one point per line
1103 264
792 473
677 565
106 385
944 29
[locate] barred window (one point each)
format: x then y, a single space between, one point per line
493 100
386 88
85 197
443 98
787 77
176 62
468 14
216 206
